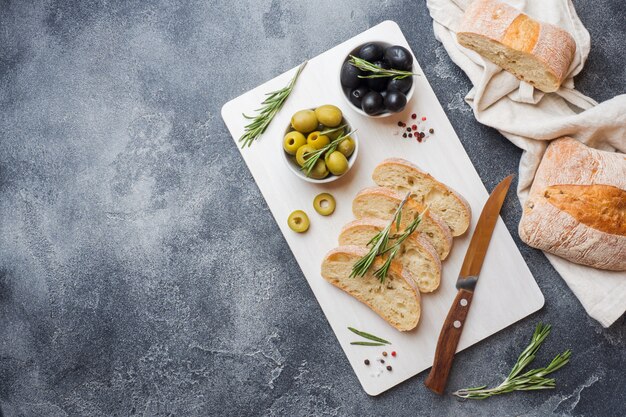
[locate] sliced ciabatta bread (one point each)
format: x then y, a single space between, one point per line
382 203
536 52
417 256
402 176
397 299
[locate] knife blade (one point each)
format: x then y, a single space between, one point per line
466 283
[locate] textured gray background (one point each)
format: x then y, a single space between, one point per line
141 271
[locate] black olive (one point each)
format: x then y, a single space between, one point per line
403 85
371 52
357 94
377 84
399 58
372 103
382 63
350 75
395 101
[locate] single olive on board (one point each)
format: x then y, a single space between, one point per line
298 221
324 204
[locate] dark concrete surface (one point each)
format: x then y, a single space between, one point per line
141 271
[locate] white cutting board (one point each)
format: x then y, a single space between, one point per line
506 291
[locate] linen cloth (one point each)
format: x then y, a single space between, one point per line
530 118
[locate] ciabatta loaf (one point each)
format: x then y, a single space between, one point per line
397 299
535 52
382 203
417 256
403 176
577 206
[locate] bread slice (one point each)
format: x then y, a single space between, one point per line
417 256
382 203
536 52
397 300
403 176
576 208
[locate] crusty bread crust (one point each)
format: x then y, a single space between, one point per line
395 271
414 206
415 171
514 41
556 226
415 240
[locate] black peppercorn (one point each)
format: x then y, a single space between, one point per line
382 361
389 367
404 135
431 130
408 129
400 124
410 135
367 361
422 134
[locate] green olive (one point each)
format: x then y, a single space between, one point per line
304 121
319 170
316 140
298 221
293 140
324 204
329 115
337 163
302 153
346 146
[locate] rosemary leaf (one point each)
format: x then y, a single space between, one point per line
368 336
530 381
269 107
377 71
367 343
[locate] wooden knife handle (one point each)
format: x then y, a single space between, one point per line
448 341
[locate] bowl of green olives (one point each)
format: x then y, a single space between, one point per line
380 96
319 145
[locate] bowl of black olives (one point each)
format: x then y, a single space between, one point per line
319 145
377 78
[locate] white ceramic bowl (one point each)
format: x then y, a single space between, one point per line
346 91
295 168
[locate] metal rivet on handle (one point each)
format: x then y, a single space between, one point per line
457 324
463 302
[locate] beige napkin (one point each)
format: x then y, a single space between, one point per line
530 118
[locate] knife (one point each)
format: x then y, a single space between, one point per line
474 257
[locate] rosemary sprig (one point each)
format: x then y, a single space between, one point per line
311 158
269 107
534 379
381 273
380 244
367 336
377 71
